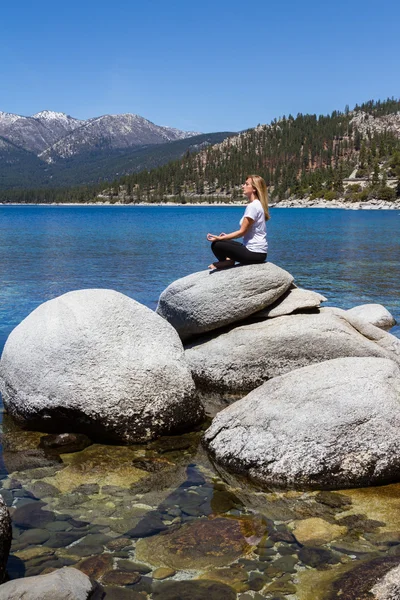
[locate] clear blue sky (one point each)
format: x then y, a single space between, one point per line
205 66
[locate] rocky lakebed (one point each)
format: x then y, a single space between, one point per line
241 442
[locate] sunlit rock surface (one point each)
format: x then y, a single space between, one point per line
295 299
388 586
100 363
377 579
243 358
334 424
376 314
63 583
206 300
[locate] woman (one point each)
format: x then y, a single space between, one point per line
252 229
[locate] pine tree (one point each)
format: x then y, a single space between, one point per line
375 175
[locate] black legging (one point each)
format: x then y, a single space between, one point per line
236 251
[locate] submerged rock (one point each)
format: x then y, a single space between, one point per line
245 357
97 465
376 314
5 537
315 557
193 590
98 362
329 425
29 459
33 515
117 577
379 504
316 531
65 443
62 583
204 301
201 544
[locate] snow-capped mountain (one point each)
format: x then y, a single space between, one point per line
52 149
112 132
59 123
38 132
54 136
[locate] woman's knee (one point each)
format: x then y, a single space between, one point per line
218 244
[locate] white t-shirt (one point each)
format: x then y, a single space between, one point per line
255 239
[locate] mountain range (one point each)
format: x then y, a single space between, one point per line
54 149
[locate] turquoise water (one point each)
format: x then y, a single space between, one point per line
352 257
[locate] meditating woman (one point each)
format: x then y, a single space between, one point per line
252 229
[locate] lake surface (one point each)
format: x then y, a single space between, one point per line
352 257
159 520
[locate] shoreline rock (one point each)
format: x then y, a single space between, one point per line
375 314
61 583
343 204
205 301
295 299
237 361
373 204
326 426
99 363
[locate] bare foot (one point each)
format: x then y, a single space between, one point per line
212 267
224 264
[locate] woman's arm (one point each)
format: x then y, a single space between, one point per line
246 224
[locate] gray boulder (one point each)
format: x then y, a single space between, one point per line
376 314
66 583
99 363
245 357
204 301
295 299
5 537
329 425
388 586
382 338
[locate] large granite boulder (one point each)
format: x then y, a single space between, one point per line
376 579
376 314
100 363
5 537
245 357
208 300
376 334
334 424
388 586
67 583
294 300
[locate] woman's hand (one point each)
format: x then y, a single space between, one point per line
214 238
247 222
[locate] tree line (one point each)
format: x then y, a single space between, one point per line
306 155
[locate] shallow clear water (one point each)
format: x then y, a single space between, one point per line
121 514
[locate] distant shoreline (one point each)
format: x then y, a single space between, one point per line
291 203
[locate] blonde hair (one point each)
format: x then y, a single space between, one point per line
260 186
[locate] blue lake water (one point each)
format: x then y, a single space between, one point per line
352 257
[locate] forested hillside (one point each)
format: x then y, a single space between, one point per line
302 156
305 155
